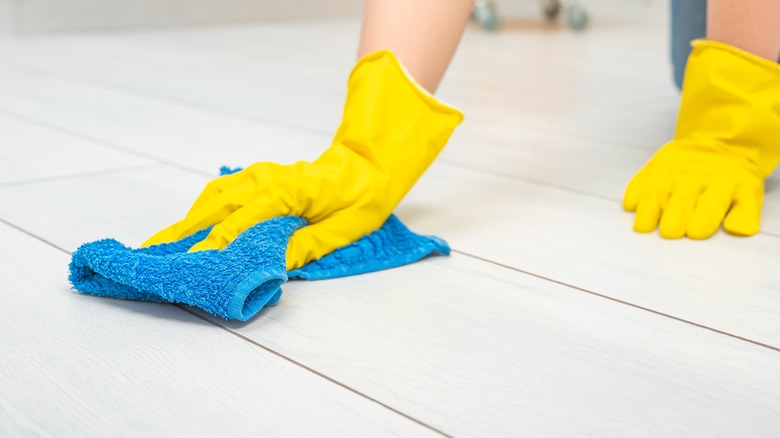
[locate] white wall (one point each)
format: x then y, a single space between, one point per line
39 16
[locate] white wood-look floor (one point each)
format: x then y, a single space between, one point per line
550 318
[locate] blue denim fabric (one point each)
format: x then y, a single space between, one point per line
689 22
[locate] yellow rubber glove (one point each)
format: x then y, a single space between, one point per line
391 131
726 143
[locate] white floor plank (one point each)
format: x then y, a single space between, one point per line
31 152
75 208
725 282
469 347
75 365
269 90
148 126
599 168
640 129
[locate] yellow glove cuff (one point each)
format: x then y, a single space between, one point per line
732 97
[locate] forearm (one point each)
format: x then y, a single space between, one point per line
423 34
751 25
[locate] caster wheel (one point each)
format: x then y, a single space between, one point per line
551 9
486 16
577 17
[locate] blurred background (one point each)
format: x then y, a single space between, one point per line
21 17
31 17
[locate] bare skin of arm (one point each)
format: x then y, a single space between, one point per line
423 34
751 25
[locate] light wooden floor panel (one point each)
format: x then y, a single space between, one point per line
551 317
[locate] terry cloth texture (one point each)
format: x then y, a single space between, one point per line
238 281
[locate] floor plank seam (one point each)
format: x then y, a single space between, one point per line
255 343
311 370
34 236
521 95
183 103
541 277
533 181
466 254
78 175
112 87
607 297
97 141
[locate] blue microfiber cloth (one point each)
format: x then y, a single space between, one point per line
237 282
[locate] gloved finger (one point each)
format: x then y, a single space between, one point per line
261 209
679 209
648 210
710 210
320 239
744 218
237 184
168 234
634 190
213 212
223 196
